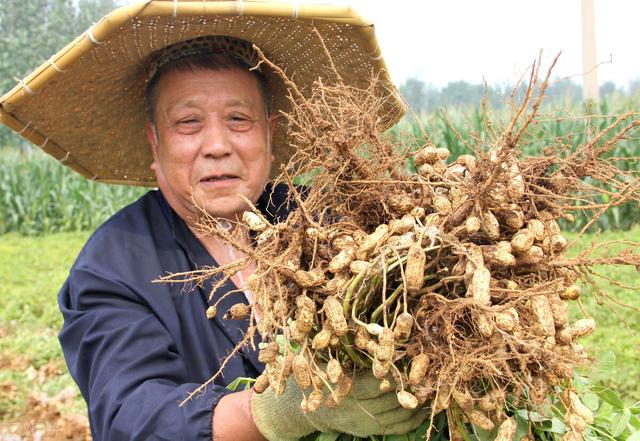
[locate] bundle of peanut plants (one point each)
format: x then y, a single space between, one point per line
450 284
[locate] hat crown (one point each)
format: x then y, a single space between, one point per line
203 45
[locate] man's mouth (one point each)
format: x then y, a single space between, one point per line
217 178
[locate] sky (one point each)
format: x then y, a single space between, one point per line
439 41
496 41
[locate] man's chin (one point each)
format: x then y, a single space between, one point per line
230 207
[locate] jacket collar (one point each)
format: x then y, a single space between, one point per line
275 205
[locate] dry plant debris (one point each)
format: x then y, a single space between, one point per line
452 280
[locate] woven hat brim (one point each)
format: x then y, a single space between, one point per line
85 105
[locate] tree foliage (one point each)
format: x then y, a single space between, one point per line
34 30
425 98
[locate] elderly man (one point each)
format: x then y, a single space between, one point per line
137 348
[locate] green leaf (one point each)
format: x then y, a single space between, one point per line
439 424
606 364
557 426
620 423
241 381
609 396
605 411
590 400
421 431
634 437
328 436
581 384
396 438
522 427
483 435
534 417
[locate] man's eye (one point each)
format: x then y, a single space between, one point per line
189 121
240 122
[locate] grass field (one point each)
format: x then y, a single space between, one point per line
616 341
32 269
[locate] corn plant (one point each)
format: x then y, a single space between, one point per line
38 195
459 129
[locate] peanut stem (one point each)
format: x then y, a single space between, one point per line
376 313
346 304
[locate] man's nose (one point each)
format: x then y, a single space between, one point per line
215 141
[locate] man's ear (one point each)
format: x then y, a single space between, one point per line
152 137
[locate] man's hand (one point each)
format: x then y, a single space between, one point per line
365 411
232 419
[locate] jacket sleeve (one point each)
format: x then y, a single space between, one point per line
127 365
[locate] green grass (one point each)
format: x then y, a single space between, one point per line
32 269
617 336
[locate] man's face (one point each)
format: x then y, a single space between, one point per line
213 141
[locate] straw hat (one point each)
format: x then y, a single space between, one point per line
85 105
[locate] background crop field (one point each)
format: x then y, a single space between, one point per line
39 196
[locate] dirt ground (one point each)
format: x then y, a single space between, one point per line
41 416
56 428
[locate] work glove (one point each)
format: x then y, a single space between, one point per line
365 411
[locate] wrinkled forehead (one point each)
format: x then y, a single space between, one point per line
203 88
216 73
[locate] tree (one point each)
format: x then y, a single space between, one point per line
414 91
461 93
608 88
33 31
563 90
634 87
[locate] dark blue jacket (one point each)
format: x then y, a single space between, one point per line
137 348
